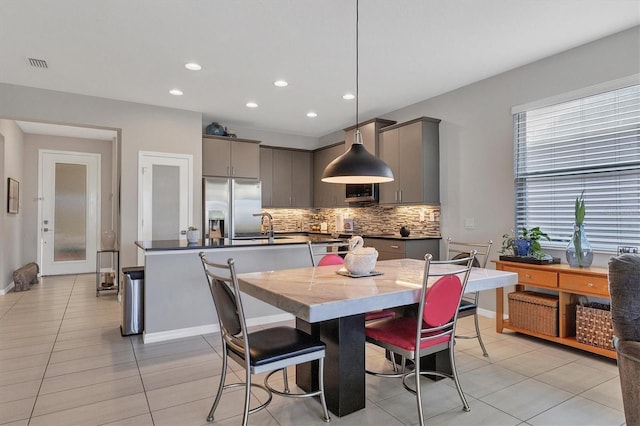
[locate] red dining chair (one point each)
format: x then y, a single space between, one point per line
331 254
469 306
432 329
268 350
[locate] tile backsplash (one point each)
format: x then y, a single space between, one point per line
371 219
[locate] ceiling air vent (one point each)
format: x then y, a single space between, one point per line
38 63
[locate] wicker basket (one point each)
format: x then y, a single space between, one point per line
594 326
533 311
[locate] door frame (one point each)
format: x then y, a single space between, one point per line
98 213
142 155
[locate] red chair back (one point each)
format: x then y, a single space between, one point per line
331 259
442 300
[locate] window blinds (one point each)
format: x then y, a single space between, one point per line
590 144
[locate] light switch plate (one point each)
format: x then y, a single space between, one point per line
469 223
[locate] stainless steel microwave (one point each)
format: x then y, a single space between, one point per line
366 192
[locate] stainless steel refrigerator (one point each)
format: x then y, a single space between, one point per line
233 201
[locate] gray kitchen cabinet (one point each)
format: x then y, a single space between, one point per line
394 248
412 150
230 157
369 130
286 176
266 175
327 194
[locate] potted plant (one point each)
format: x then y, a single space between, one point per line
525 244
579 252
193 235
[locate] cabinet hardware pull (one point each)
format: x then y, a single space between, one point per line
589 284
395 247
527 276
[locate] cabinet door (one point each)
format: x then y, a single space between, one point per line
245 159
215 157
266 175
327 194
282 184
320 189
336 191
301 175
409 167
389 154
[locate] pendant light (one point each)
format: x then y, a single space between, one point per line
357 165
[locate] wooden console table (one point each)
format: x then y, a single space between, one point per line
566 281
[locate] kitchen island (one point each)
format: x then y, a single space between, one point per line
177 302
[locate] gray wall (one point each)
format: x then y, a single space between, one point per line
32 145
11 240
143 127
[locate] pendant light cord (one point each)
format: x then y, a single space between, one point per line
357 60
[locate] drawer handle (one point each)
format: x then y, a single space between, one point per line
527 275
589 284
395 247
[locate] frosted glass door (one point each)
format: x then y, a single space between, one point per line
69 212
165 188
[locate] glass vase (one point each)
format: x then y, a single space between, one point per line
579 252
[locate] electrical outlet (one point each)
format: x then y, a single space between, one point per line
421 215
432 217
469 223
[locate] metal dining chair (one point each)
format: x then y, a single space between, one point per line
431 330
268 350
469 305
332 254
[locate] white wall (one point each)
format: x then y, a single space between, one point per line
11 225
143 127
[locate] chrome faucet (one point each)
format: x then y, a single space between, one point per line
269 232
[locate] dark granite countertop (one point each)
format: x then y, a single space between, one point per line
400 237
279 240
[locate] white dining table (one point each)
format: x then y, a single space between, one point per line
332 307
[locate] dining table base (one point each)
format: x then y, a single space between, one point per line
344 364
344 370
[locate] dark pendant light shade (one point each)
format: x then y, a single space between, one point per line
357 165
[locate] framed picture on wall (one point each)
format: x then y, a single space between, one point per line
13 199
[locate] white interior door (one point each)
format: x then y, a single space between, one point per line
165 196
69 213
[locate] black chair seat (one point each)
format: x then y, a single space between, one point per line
279 343
466 306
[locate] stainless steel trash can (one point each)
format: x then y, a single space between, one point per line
132 300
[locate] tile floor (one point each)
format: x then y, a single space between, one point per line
63 362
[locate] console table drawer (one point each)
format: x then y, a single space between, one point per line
535 277
585 284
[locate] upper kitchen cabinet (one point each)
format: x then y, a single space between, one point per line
412 150
286 176
369 131
327 194
230 157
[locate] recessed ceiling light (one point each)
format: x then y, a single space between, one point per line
312 114
176 92
280 83
252 105
193 66
348 96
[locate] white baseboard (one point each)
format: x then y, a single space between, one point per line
490 314
7 289
162 336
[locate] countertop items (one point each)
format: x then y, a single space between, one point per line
279 240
